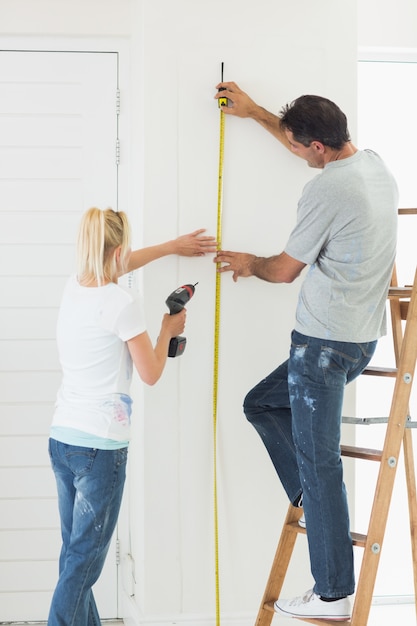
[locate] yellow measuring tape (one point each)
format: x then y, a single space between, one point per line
216 357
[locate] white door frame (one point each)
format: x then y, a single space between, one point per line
130 171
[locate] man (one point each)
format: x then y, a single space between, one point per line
346 233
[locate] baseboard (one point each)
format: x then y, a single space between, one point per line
132 617
197 620
194 620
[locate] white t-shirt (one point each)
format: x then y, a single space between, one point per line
346 231
94 324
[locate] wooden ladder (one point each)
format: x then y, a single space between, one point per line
403 306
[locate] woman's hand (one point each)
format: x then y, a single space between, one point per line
194 244
174 325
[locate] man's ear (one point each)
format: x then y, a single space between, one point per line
318 146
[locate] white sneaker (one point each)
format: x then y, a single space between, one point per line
311 606
302 521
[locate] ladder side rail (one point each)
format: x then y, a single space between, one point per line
412 501
385 482
279 566
396 321
409 465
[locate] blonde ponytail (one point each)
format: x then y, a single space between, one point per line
100 233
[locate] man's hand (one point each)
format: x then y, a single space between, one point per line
194 244
240 103
240 263
280 268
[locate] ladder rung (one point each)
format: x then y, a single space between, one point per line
367 421
381 371
399 292
364 421
407 211
368 454
358 539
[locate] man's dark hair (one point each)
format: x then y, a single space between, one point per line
313 118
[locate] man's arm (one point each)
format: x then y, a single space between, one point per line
280 268
192 244
241 105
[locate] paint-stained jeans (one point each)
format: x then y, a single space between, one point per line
90 488
297 412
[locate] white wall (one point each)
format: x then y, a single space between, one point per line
386 24
276 51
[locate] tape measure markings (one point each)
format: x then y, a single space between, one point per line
216 365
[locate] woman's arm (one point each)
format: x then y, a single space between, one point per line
150 361
192 244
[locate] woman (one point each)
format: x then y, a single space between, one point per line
101 330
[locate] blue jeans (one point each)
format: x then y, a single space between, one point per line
90 488
297 411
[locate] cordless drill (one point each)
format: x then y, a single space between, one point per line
176 301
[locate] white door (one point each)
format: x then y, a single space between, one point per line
58 132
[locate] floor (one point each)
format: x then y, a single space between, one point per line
381 615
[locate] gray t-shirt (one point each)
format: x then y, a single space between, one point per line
346 231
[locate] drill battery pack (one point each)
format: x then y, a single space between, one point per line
176 346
